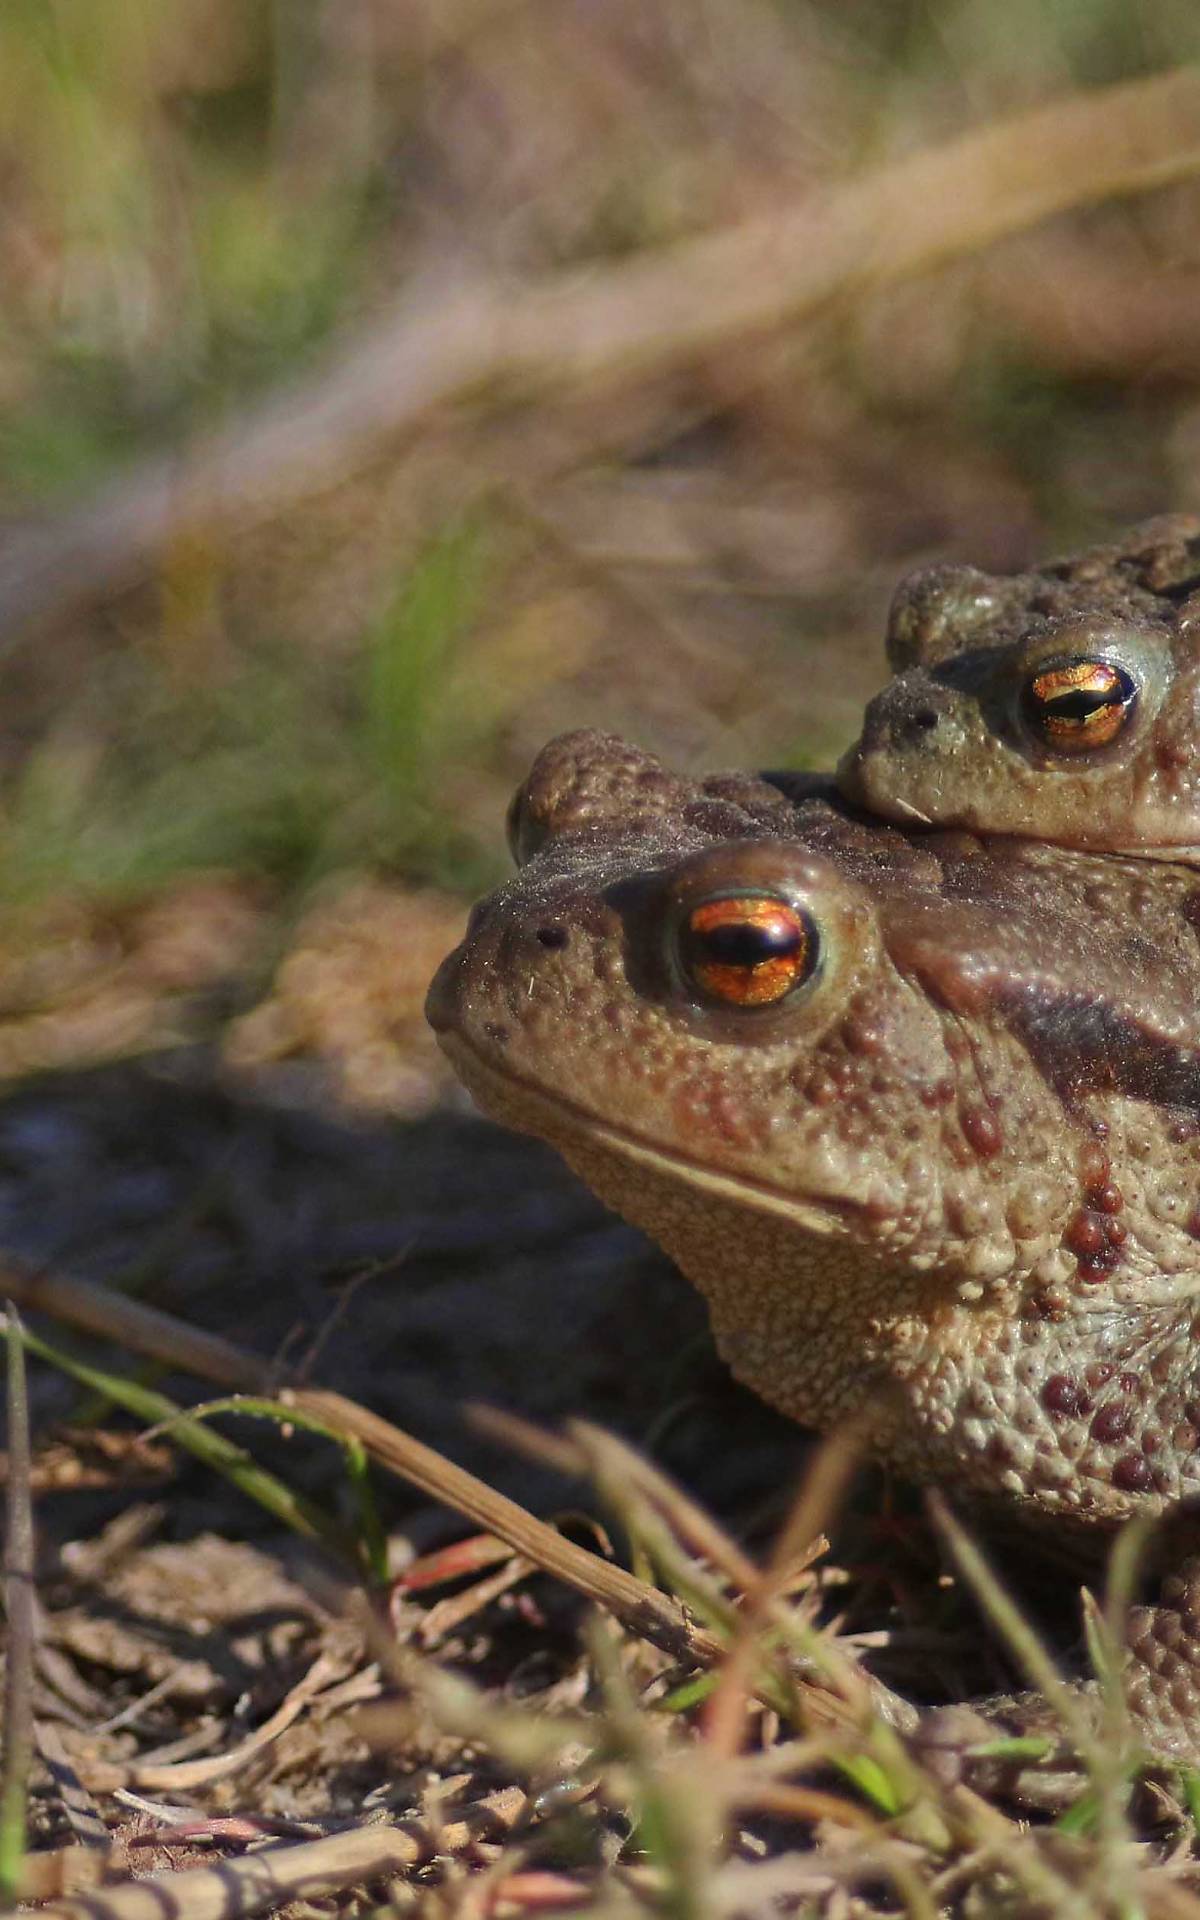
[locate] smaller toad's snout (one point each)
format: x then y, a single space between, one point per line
912 724
908 715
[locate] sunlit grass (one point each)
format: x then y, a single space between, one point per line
285 766
182 225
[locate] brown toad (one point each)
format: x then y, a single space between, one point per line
920 1116
1062 703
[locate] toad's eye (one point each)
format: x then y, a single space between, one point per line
748 950
1075 705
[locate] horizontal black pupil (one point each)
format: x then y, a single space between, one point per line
747 943
1079 704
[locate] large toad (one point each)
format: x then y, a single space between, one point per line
921 1117
1062 703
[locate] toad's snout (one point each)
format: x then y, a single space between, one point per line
913 713
914 724
505 957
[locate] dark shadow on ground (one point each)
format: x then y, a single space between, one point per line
512 1286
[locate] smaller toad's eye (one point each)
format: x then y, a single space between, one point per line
748 950
1075 705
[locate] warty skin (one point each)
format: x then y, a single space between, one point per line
949 1180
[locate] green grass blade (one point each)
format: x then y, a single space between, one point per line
293 1509
372 1540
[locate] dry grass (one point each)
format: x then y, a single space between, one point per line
706 1713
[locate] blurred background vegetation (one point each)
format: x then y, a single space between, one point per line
247 782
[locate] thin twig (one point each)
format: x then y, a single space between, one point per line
495 343
645 1610
817 1499
271 1877
112 1316
81 1810
20 1608
187 1775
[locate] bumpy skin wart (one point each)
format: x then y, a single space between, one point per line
950 741
950 1181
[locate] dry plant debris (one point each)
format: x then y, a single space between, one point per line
349 996
86 981
656 1758
83 980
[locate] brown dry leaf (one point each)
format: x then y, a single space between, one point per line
350 993
211 1613
75 1458
83 981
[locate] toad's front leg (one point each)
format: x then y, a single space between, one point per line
1160 1682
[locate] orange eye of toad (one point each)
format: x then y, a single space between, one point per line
748 950
1079 704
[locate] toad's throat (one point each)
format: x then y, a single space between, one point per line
554 1117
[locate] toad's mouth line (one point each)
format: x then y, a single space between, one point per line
515 1095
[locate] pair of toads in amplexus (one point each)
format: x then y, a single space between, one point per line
902 1064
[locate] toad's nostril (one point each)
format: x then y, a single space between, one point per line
552 937
924 720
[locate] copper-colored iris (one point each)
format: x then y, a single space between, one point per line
1079 704
747 950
